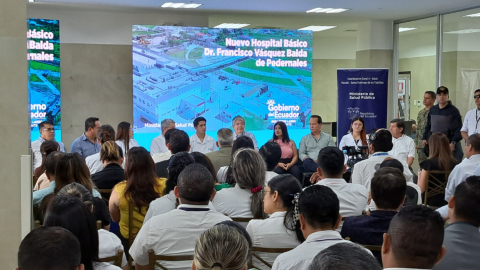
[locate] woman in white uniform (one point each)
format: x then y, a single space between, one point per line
356 136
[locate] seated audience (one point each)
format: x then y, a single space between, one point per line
271 153
245 199
47 133
312 143
237 226
225 173
72 214
440 159
344 256
49 248
462 237
319 215
388 192
200 141
125 138
289 153
178 142
202 159
175 232
238 125
46 148
353 197
414 239
224 142
158 144
105 134
139 189
279 230
111 156
403 146
221 247
87 145
413 194
159 157
43 181
50 164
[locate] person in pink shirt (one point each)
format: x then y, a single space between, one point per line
289 151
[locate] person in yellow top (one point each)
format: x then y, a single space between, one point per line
140 188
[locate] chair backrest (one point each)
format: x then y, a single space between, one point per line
105 194
435 185
241 219
267 250
153 259
115 260
37 224
99 224
373 248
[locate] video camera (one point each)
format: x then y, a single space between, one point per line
355 154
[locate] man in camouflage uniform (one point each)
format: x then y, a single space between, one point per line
428 100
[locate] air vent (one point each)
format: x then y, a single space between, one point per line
351 30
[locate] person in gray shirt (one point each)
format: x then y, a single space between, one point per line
462 237
312 143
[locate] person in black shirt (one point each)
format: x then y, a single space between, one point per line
111 156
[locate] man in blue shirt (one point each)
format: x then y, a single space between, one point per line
87 144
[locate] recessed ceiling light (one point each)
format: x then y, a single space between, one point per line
473 15
464 31
180 5
405 29
327 10
31 1
231 25
317 28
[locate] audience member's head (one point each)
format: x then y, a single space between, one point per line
319 210
331 162
105 133
464 205
47 147
141 177
473 145
111 152
177 163
72 168
78 191
271 153
414 239
392 163
51 163
195 185
124 133
237 226
178 142
221 247
239 143
202 159
344 256
72 214
167 124
380 141
167 135
439 148
279 195
49 248
388 188
249 172
224 137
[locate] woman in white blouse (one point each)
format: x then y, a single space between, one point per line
277 231
357 135
125 137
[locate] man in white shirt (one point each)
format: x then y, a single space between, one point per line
318 212
200 141
176 232
158 144
379 144
414 239
47 132
403 146
353 197
472 118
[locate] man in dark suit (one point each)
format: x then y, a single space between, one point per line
224 142
178 142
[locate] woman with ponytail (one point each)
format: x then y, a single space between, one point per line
105 133
281 229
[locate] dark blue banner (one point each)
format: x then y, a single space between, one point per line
361 93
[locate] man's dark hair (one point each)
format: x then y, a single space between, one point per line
90 122
416 236
51 162
179 141
167 135
474 141
198 120
388 188
478 90
344 256
195 184
320 206
331 161
392 163
400 124
49 248
271 153
432 94
467 200
383 141
319 119
42 124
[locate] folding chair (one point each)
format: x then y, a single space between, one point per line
435 185
153 259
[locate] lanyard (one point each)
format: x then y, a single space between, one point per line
379 154
193 209
476 118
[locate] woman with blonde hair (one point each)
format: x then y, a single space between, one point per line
111 156
221 247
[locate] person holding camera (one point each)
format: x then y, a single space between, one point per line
356 136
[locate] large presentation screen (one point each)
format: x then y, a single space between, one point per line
263 75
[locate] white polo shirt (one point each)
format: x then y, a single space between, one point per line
353 197
208 145
174 233
158 145
94 163
471 123
234 202
302 255
109 245
463 170
271 233
403 148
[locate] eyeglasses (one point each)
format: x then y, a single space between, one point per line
48 129
476 96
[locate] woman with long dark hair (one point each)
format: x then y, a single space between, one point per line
139 189
125 137
46 148
225 173
356 136
289 155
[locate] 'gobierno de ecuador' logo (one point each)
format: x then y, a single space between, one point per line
280 111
